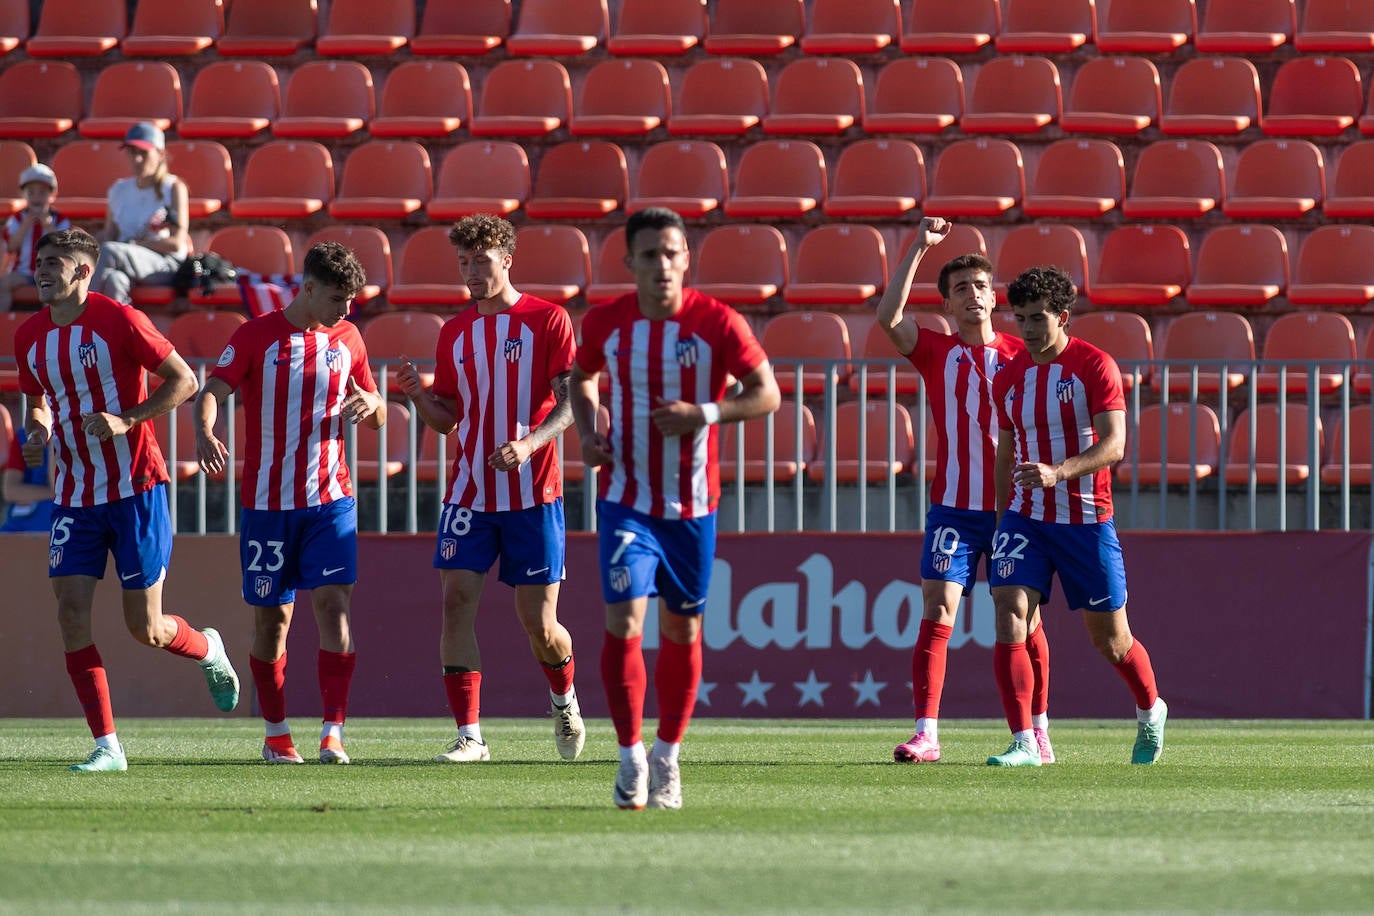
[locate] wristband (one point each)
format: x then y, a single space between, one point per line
710 412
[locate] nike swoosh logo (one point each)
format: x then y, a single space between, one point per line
130 576
463 359
281 361
336 569
535 572
1096 601
687 606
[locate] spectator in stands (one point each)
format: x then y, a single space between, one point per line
146 233
38 184
28 492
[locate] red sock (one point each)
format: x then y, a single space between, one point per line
676 677
1038 648
928 668
270 680
464 691
1014 680
1136 671
625 681
87 672
189 642
560 676
336 676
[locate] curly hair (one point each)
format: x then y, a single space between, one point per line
483 232
76 243
1051 284
335 265
971 261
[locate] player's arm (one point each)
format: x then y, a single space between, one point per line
210 452
439 414
364 406
757 396
1110 426
1001 470
510 455
37 430
15 490
178 385
891 307
585 399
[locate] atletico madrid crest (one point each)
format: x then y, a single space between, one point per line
1005 568
447 548
512 349
55 557
262 586
619 577
333 358
1063 389
687 352
86 353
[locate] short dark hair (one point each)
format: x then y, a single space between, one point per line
656 218
75 242
335 265
971 261
483 232
1051 284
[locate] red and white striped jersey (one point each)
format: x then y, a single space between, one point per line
499 369
958 381
687 357
1049 409
95 365
293 383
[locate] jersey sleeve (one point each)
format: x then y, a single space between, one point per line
591 353
237 359
1105 388
744 353
445 369
146 343
23 342
1001 384
361 369
562 346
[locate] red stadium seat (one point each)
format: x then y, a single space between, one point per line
551 262
788 462
173 28
285 179
1113 95
1033 245
39 99
579 179
1077 178
393 336
905 379
372 249
203 334
941 27
891 444
129 92
481 176
1212 95
741 264
720 97
622 98
1335 267
257 249
427 271
1352 187
838 265
1326 338
523 98
424 98
14 24
1364 378
977 178
1176 179
778 179
1046 26
1245 26
360 27
816 96
268 28
878 178
1366 121
962 239
462 27
611 278
1314 96
384 179
819 340
1175 445
755 27
686 176
1141 266
1124 336
852 26
85 170
1240 265
1343 26
237 98
326 98
1291 462
206 168
658 28
15 156
1147 26
78 28
1212 340
560 28
1357 431
1013 95
1276 179
916 95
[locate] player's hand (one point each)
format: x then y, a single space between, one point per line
211 453
1035 476
408 377
509 456
596 450
676 418
932 231
34 447
360 403
104 426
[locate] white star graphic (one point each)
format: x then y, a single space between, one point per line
811 689
755 691
704 689
867 690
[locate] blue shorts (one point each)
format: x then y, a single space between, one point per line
955 540
136 529
283 550
1087 559
529 542
644 556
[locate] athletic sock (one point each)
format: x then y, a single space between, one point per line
629 752
336 676
1038 650
676 677
1041 721
464 690
1014 679
625 680
563 699
1147 716
928 726
269 679
665 750
331 730
928 668
87 671
560 676
189 642
111 743
280 729
1136 671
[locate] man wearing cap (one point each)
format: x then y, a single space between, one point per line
145 235
38 184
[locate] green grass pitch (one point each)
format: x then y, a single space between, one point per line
779 816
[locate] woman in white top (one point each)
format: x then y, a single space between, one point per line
145 236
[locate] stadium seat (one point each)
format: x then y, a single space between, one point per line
1276 179
1046 26
1352 187
268 28
262 250
877 178
1291 462
1113 95
778 179
788 461
1366 121
1147 26
819 340
331 99
1141 266
852 26
726 96
523 98
838 265
741 264
237 99
173 28
1176 179
39 99
561 28
78 28
1326 338
423 98
1212 95
462 27
85 170
384 179
1314 96
579 179
686 176
203 334
611 278
1240 265
1013 95
1357 429
981 177
941 27
285 179
1174 445
658 28
401 334
427 271
14 24
916 95
816 95
1363 380
367 466
360 27
905 379
962 239
890 444
1245 26
1335 267
551 262
1035 244
1342 26
481 176
755 28
1125 336
1208 342
372 248
132 91
15 156
1077 178
206 168
622 98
